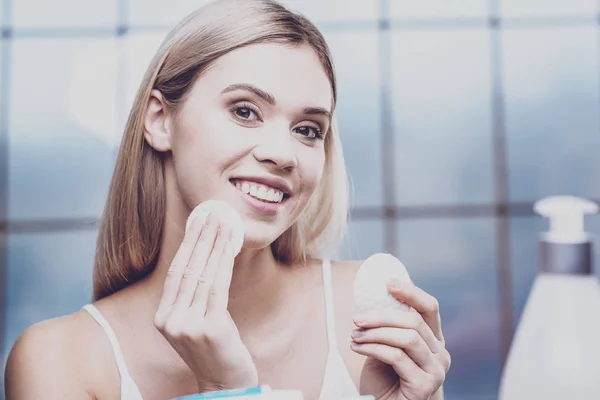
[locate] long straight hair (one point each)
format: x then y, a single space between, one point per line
131 227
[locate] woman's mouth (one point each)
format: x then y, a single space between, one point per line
259 191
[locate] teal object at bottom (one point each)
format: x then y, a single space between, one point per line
220 394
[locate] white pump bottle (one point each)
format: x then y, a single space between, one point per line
555 353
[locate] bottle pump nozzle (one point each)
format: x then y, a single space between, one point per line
566 248
566 214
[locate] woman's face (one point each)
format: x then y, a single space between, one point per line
251 132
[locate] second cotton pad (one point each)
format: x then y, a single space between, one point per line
370 285
225 213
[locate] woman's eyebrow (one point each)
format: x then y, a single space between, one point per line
250 88
317 111
271 100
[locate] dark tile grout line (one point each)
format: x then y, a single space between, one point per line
397 213
392 24
598 55
4 115
121 90
388 181
500 174
123 13
492 22
58 33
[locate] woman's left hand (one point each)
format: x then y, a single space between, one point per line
406 353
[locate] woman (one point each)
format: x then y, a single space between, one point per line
236 106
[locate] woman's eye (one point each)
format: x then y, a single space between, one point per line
310 132
245 113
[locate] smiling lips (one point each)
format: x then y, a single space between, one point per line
260 191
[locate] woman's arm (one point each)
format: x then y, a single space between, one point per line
439 395
43 364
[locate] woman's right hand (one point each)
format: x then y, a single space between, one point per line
193 316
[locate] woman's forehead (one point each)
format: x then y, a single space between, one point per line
290 74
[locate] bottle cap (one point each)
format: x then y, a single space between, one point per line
566 214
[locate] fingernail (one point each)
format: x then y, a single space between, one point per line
359 319
395 284
356 333
193 223
210 217
199 219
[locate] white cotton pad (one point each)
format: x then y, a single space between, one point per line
225 213
370 284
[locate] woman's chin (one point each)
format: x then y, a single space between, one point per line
257 242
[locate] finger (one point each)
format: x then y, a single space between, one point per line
398 359
193 271
219 297
421 301
205 286
406 339
213 263
180 261
393 318
445 359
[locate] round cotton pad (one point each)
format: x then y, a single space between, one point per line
370 284
225 213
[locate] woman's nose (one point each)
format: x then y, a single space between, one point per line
277 148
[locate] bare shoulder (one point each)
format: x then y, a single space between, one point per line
51 359
343 274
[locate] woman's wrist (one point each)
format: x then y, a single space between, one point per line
439 395
204 387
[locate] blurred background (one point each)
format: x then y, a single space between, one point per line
455 115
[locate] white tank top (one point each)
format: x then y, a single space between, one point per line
337 382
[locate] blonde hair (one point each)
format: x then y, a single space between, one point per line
131 227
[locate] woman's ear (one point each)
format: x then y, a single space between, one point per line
157 126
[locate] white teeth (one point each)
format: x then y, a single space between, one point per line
260 191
